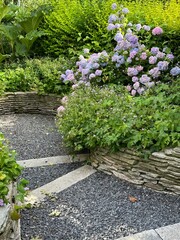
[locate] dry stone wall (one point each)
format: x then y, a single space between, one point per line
9 229
160 172
29 102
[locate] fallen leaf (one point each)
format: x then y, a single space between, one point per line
133 199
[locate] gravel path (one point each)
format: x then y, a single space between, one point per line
98 208
39 176
32 136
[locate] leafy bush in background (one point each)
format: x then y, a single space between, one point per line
158 13
109 117
74 24
130 62
41 75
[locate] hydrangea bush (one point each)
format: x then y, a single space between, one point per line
130 62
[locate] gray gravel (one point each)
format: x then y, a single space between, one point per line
32 136
39 176
98 208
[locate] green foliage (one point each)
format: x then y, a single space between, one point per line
41 75
73 24
9 172
158 13
18 29
109 117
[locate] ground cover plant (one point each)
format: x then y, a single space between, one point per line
99 114
10 170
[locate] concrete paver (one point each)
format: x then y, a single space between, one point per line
52 160
146 235
63 182
170 232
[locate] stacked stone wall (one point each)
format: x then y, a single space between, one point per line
160 172
29 102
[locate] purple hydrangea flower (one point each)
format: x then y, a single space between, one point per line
160 55
133 54
175 71
125 10
1 203
140 90
170 56
152 60
129 88
112 18
118 37
111 27
146 28
144 78
154 50
154 72
133 92
114 6
143 56
136 85
86 50
98 72
138 27
60 109
92 75
139 68
131 71
134 79
163 65
157 31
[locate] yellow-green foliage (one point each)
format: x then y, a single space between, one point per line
155 13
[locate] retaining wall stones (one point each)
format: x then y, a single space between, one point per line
160 172
9 229
29 102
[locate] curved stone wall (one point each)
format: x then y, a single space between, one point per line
29 102
160 172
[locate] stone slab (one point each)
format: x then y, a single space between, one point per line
146 235
171 232
52 160
63 182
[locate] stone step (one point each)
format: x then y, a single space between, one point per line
52 160
62 183
170 232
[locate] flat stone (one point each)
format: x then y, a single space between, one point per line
146 235
63 182
171 232
52 160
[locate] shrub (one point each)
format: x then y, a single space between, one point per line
130 62
74 24
109 117
41 75
9 172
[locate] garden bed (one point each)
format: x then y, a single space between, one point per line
160 172
29 102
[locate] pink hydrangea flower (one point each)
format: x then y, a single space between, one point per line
143 56
129 88
136 85
60 109
133 92
152 60
157 31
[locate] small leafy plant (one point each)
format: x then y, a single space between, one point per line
10 170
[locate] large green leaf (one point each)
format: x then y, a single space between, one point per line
3 11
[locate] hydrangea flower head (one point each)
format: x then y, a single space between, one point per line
163 65
98 72
114 6
111 27
125 10
152 60
157 31
60 109
86 50
147 28
112 18
154 50
154 72
175 71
